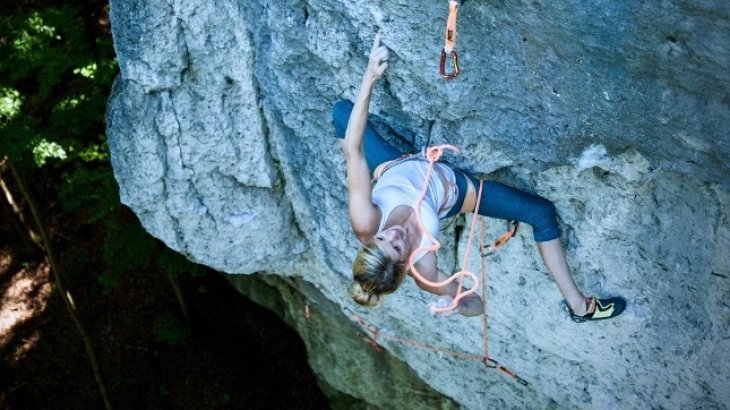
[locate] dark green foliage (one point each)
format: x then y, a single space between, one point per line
127 248
56 68
88 190
176 265
171 330
54 80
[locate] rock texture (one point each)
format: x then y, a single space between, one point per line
221 139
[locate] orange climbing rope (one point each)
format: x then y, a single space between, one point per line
433 154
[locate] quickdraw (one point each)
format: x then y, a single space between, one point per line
450 44
484 250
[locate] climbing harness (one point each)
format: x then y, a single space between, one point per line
419 156
373 333
380 169
450 44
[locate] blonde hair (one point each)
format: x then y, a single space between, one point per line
374 275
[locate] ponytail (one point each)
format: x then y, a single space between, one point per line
374 275
363 297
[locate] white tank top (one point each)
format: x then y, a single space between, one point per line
402 185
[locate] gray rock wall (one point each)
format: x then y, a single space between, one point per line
221 138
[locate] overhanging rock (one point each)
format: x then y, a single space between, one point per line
221 139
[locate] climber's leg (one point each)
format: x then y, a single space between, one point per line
377 150
504 202
501 201
553 255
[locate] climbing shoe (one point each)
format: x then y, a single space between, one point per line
599 309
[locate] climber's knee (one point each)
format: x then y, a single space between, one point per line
544 221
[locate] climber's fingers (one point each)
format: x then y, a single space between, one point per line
381 54
381 68
376 43
378 58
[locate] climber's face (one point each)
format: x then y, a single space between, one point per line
395 242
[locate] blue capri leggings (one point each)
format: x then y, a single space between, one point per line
498 200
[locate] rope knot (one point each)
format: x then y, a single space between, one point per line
435 152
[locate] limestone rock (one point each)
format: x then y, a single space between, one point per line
220 130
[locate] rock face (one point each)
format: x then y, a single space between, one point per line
220 130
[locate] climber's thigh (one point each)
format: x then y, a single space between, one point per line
504 202
377 150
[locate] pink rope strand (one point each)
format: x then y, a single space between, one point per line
433 154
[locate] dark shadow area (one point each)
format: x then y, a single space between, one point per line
229 353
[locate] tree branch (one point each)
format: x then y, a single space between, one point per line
45 244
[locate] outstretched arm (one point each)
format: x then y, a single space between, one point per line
364 216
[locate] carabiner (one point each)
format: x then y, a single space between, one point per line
516 225
485 250
442 65
493 364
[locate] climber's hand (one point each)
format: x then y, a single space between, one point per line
471 306
378 59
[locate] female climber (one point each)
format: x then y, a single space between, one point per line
383 218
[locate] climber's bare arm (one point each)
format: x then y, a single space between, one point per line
364 216
427 267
